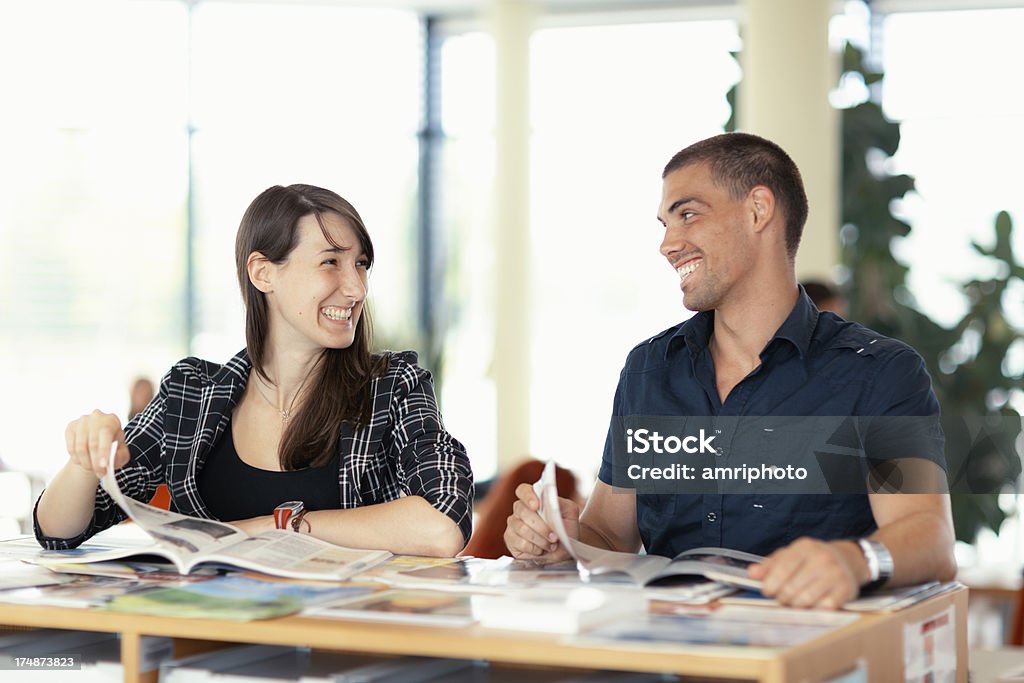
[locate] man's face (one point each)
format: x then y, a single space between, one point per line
705 238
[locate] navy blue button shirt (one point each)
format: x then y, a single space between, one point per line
816 364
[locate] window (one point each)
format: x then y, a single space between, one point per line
949 80
92 211
112 139
611 104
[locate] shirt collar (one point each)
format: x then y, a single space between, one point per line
695 333
797 329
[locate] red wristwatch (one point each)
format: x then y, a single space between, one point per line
290 515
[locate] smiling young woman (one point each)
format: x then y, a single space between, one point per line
306 412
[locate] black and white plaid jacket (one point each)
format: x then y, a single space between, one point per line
403 449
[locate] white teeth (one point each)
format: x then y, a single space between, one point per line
685 270
335 313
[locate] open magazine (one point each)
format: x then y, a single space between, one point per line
717 564
188 542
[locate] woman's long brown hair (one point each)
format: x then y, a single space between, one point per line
338 390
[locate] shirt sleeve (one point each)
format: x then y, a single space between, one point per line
906 422
138 479
433 464
607 471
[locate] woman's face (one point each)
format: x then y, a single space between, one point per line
317 293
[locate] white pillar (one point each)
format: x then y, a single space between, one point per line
512 24
788 72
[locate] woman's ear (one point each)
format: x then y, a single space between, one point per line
260 271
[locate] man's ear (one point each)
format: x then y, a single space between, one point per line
261 272
762 205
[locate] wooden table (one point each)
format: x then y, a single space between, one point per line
875 639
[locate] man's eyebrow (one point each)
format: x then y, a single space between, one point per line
681 202
676 205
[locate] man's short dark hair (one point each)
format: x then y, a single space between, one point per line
739 162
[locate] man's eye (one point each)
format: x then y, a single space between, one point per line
687 215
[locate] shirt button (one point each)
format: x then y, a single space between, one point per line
712 516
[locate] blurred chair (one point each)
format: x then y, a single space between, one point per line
493 511
162 498
1017 626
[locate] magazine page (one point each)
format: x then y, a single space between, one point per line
894 599
589 559
183 538
717 564
189 541
297 556
720 564
180 539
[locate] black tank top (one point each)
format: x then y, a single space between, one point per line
234 490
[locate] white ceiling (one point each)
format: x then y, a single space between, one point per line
464 7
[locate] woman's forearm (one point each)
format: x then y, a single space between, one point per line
406 526
66 506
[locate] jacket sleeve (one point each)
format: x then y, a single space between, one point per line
432 463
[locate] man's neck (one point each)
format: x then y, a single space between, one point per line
744 326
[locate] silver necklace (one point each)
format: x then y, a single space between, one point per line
285 414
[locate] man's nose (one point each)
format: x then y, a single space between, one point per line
672 243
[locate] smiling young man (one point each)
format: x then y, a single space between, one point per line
733 208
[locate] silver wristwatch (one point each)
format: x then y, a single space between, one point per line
879 561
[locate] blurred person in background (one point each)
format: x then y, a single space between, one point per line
826 296
142 392
306 415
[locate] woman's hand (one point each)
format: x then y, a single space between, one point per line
90 439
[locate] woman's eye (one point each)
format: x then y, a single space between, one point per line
330 262
363 263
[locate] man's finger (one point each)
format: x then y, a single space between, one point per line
524 531
531 519
526 494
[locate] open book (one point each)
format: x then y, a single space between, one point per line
188 542
718 564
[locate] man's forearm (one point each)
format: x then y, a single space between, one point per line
921 545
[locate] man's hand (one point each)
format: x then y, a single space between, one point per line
813 573
528 537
